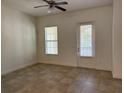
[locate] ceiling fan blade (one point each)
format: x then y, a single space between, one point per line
58 7
41 6
61 3
46 1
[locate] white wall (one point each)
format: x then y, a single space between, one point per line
117 39
67 25
18 40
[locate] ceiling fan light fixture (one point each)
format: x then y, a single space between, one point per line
49 11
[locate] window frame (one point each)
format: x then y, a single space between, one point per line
51 40
93 39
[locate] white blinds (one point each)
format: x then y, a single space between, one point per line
51 40
86 46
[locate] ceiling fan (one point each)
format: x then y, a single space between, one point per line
52 3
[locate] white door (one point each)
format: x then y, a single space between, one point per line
85 42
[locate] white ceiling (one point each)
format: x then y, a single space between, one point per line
27 5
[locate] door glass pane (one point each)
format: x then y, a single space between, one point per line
86 40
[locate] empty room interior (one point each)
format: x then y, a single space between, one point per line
61 46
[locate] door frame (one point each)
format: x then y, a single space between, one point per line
78 41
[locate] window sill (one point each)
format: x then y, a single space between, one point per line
52 54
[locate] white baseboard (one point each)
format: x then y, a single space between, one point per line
55 63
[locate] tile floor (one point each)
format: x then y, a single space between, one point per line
43 78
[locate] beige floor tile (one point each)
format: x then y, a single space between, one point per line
44 78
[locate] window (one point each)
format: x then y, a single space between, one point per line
51 40
86 40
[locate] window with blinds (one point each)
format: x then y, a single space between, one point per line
51 40
86 40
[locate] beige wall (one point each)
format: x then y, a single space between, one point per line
67 25
117 39
18 40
